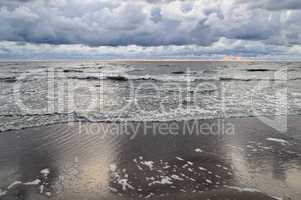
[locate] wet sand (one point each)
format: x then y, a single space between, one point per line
240 159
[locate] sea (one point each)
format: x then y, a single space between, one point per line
40 93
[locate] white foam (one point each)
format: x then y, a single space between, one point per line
113 189
180 158
165 180
149 196
243 189
278 140
166 166
203 169
192 179
41 189
35 182
140 168
14 184
45 172
124 184
208 181
184 166
150 178
149 164
48 194
190 163
176 177
31 183
198 150
2 192
277 198
113 167
252 190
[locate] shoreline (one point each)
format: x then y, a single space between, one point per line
279 117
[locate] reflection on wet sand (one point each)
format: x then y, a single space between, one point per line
83 164
78 164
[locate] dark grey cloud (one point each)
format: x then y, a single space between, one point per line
156 14
274 4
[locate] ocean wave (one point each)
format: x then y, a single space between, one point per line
86 77
210 71
256 79
161 78
126 73
178 72
117 78
260 70
236 88
72 71
177 78
8 79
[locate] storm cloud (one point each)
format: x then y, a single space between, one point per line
274 4
147 23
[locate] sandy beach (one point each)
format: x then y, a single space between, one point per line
139 160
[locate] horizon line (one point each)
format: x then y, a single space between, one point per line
143 60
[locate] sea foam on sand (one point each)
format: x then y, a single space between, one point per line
277 140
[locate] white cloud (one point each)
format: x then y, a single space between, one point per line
201 23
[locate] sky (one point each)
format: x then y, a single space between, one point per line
150 29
